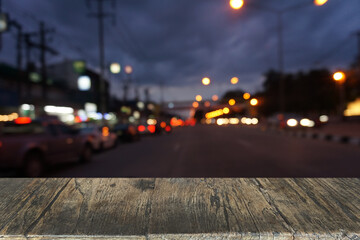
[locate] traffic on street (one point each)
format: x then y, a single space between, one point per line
230 88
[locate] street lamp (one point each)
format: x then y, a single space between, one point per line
206 81
198 98
115 68
234 80
246 96
340 78
254 102
320 2
128 69
237 4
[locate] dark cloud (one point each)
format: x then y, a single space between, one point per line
179 42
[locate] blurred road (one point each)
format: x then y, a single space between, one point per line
212 151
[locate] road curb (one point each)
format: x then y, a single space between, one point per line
343 139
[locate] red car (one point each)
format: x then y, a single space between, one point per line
31 145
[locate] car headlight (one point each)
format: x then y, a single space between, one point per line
292 122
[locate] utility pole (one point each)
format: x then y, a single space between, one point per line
100 15
1 33
19 40
28 47
44 48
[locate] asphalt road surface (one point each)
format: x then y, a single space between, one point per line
227 151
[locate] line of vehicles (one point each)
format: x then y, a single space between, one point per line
32 145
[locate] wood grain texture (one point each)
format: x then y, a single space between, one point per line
94 208
26 201
99 207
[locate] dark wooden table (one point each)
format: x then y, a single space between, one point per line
94 208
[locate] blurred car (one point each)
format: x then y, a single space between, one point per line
155 128
31 145
290 120
100 137
126 132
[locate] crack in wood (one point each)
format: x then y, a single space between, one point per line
46 209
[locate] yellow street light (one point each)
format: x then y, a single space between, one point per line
236 4
115 68
226 110
198 98
195 104
206 81
128 69
320 2
254 102
234 80
215 98
246 96
339 76
232 102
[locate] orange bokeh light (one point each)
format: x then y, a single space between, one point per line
320 2
339 76
195 104
234 80
105 131
215 98
246 96
236 4
232 102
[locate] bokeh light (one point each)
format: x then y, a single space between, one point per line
339 76
236 4
234 80
254 102
215 98
115 68
320 2
206 81
226 110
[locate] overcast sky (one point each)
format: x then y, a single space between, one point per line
181 41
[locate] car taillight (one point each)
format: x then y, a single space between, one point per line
141 128
167 128
152 128
105 131
23 120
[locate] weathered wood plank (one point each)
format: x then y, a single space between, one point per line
110 207
197 206
27 200
312 208
93 208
